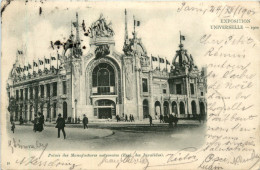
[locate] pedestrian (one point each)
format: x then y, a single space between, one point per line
150 120
175 120
133 119
117 118
61 125
85 121
171 120
130 117
161 118
21 120
12 123
40 122
126 118
35 122
165 119
79 119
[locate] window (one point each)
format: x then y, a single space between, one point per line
178 88
192 88
31 93
164 91
17 94
103 75
64 87
103 78
36 92
54 89
48 90
201 93
21 92
26 94
54 110
145 85
42 91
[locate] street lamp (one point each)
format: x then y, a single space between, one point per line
75 110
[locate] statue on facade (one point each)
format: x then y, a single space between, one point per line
102 51
100 28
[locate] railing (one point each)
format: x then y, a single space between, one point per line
103 90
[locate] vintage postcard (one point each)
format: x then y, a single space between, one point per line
130 85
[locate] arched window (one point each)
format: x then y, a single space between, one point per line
157 107
174 107
193 107
182 108
103 78
103 75
166 108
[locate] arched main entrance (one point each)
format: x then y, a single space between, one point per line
65 110
103 79
182 108
105 109
174 108
145 108
157 107
193 107
166 108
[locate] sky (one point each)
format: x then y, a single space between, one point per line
23 28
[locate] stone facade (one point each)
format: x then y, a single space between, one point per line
105 83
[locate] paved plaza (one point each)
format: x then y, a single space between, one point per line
116 136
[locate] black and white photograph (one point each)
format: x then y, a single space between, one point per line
110 77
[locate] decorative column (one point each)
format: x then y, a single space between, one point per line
33 100
178 108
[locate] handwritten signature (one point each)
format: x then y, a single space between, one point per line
13 143
130 158
36 161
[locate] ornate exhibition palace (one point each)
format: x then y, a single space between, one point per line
105 83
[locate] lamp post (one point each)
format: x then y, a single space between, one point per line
75 110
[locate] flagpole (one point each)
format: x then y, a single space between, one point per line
50 61
152 61
57 59
159 62
134 26
33 65
180 37
44 63
166 64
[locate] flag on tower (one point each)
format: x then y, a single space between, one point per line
47 61
26 68
182 37
154 58
19 52
75 24
35 64
161 60
40 62
137 23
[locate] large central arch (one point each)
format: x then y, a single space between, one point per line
108 65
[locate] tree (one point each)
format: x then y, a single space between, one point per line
12 107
